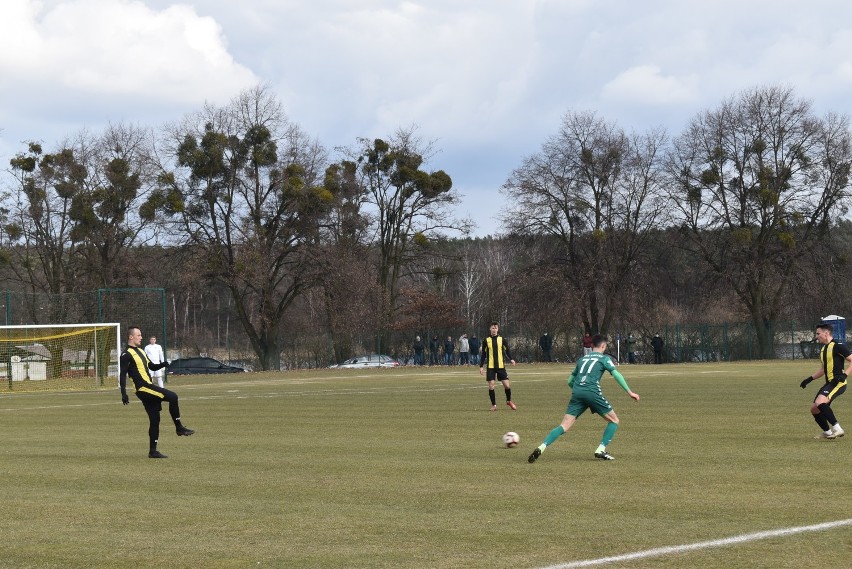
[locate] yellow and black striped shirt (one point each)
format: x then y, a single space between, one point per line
833 357
135 363
495 352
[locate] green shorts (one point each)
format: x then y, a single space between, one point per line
582 399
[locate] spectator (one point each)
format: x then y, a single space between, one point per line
657 344
433 350
449 348
587 344
545 343
474 349
631 348
464 350
418 351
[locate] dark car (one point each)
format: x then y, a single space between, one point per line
201 365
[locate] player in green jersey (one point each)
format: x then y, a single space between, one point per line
585 383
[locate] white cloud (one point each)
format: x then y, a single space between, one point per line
646 84
117 47
437 66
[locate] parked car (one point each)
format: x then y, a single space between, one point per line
185 366
371 360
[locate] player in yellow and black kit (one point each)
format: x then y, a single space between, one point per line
836 360
135 363
495 354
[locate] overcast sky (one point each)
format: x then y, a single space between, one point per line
486 80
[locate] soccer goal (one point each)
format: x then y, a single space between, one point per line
59 356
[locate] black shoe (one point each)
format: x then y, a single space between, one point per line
184 432
604 456
535 454
156 454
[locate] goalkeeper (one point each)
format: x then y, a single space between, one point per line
134 362
585 382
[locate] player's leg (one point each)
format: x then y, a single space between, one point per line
835 426
152 407
824 414
507 388
174 411
174 408
575 409
609 432
491 395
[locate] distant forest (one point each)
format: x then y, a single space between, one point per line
272 250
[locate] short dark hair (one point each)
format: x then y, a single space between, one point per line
494 323
131 329
827 327
598 339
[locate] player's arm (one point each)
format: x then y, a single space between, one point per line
124 362
623 383
508 351
816 375
572 377
155 367
483 358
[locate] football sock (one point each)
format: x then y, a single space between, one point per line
827 413
836 426
492 396
153 445
601 448
552 436
823 424
508 391
609 432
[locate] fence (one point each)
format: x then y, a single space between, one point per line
143 307
308 345
729 342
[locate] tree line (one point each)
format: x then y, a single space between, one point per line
317 254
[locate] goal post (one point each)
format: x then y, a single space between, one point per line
48 357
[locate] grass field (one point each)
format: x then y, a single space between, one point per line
405 469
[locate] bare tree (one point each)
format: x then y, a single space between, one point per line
245 186
756 184
40 225
597 192
408 204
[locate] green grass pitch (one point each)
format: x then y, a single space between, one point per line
405 469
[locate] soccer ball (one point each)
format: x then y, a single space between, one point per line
511 439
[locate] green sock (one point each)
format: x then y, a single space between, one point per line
609 432
552 436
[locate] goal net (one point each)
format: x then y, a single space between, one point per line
59 356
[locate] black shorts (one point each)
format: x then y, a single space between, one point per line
492 374
832 390
152 396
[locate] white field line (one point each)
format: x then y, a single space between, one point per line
674 549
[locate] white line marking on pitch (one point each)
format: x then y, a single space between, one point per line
660 551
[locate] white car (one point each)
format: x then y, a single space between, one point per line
371 360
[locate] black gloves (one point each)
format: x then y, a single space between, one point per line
805 382
124 399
